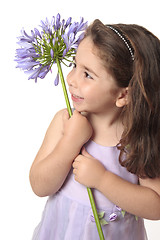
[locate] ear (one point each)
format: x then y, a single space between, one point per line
122 98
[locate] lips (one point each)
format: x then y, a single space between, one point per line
76 98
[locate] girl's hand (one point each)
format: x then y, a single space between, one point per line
77 129
88 170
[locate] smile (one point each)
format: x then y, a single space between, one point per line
76 98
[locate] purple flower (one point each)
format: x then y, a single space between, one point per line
68 22
37 33
56 81
92 218
118 208
58 23
53 21
52 53
64 52
57 40
112 217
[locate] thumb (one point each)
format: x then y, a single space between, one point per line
85 153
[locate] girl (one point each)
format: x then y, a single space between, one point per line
115 89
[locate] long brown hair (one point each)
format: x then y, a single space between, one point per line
141 137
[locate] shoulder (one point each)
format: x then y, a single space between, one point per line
53 134
56 124
58 117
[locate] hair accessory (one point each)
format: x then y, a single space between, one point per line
126 41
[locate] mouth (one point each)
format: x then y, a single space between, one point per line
76 98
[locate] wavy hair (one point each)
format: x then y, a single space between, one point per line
140 141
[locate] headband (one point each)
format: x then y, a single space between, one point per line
125 40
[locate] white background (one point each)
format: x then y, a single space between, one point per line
26 108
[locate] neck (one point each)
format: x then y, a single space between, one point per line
107 129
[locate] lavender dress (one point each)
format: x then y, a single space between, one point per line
68 215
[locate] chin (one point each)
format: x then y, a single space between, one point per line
80 108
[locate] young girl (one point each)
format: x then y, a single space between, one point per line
110 144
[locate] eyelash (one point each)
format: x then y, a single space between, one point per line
86 73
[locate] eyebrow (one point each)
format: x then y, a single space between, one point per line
87 69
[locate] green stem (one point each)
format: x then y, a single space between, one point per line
64 87
101 237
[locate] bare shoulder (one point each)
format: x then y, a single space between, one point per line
52 136
56 125
154 184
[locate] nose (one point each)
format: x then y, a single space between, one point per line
71 79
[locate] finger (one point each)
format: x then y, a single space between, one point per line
74 171
76 112
75 164
85 153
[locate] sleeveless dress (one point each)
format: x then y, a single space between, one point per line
68 214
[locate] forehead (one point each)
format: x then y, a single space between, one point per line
88 53
87 45
88 57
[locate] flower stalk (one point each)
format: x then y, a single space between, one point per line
96 217
64 87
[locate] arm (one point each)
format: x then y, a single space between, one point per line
60 146
141 200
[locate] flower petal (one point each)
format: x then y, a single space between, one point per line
56 81
52 53
112 217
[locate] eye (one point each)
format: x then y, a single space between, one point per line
87 75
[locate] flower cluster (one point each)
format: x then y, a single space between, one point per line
58 40
106 218
118 212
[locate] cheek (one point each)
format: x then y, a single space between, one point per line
87 91
114 91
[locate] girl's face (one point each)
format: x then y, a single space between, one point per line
92 88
